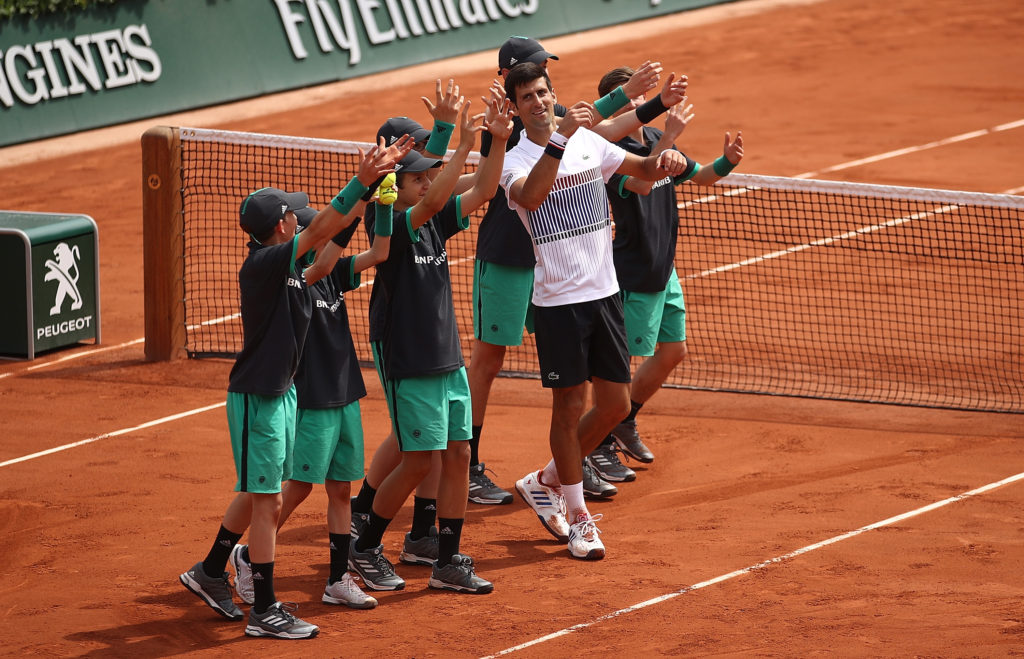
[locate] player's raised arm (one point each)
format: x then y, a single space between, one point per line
531 191
676 120
498 122
672 93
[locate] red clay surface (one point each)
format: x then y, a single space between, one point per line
95 536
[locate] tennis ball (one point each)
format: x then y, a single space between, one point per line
386 193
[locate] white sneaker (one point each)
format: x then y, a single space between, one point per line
584 538
547 502
243 575
346 591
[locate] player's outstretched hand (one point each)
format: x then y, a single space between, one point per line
495 95
677 118
581 114
499 118
468 127
733 151
380 159
643 80
671 162
674 90
447 102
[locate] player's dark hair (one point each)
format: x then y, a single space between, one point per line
524 74
613 79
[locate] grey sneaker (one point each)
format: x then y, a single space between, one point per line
422 551
606 463
595 487
278 621
243 575
346 591
483 490
215 591
359 522
459 576
628 439
375 570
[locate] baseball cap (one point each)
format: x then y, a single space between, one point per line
263 209
395 127
414 162
304 216
517 50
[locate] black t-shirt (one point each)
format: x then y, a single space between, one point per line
328 374
646 226
501 236
276 309
411 310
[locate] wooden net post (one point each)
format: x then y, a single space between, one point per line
163 244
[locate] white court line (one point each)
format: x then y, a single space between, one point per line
116 433
763 564
915 149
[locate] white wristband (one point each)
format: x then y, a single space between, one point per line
558 139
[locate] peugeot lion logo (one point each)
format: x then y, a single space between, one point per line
63 269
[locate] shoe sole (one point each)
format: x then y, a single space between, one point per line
592 555
560 538
491 502
352 605
234 566
197 590
259 631
413 559
625 449
444 585
607 494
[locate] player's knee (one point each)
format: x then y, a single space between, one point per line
455 458
674 352
338 490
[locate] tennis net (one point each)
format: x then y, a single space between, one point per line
794 287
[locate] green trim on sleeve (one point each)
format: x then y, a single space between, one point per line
295 249
623 192
462 221
683 179
414 234
353 276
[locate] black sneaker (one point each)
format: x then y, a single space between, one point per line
278 621
459 576
628 439
358 525
375 570
215 591
606 463
483 490
595 487
420 552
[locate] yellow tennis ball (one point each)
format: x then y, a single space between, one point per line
387 194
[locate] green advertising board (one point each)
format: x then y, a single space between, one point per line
143 58
50 267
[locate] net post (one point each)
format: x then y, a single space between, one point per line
163 244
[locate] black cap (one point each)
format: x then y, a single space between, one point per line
414 162
263 209
304 216
395 127
522 49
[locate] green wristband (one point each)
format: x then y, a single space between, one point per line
623 192
382 224
722 166
611 102
439 137
348 196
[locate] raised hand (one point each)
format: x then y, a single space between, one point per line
496 94
380 159
733 151
447 103
467 126
580 114
643 80
499 118
674 90
677 118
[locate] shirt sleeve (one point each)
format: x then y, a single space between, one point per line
515 168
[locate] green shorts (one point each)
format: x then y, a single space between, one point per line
428 411
262 437
653 318
328 444
501 303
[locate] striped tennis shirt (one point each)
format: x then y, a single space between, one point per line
571 230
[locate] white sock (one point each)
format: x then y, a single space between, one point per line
549 475
574 504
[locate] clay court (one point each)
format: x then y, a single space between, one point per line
747 534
